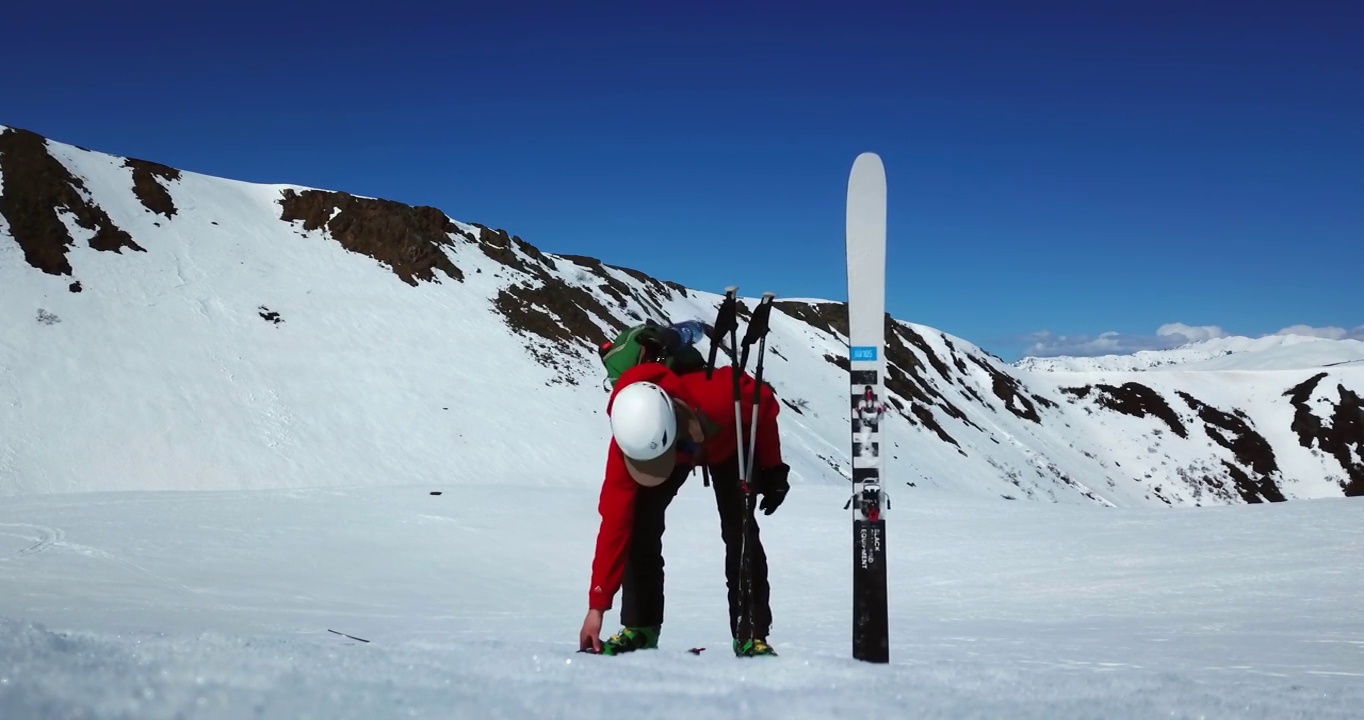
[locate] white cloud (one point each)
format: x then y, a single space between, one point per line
1044 343
1332 333
1191 333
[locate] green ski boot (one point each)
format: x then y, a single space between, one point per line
752 648
630 639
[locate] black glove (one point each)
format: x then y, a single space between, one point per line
772 486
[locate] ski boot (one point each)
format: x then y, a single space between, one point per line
630 639
752 648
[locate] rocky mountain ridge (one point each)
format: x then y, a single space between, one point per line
89 238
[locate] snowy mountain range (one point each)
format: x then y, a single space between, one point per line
1272 352
167 330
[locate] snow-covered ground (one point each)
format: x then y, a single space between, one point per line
219 605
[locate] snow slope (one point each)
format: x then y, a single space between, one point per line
166 330
214 605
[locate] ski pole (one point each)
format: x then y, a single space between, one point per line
757 331
757 327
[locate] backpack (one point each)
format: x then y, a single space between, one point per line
651 342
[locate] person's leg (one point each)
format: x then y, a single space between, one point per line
750 613
641 603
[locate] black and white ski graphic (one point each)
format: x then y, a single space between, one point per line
866 246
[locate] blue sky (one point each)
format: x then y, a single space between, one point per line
1054 174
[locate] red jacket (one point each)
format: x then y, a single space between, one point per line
715 399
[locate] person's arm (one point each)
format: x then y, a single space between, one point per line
617 510
768 451
770 470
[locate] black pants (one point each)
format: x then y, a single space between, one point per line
642 585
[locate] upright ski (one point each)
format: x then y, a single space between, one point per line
866 245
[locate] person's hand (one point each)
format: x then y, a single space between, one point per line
773 486
589 638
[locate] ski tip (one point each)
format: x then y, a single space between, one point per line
869 162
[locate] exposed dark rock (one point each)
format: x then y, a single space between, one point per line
1250 490
534 253
497 244
609 283
36 187
926 417
1042 401
832 318
651 283
917 341
1133 399
409 240
547 307
650 298
956 357
1010 390
904 374
75 287
1235 434
555 311
901 383
148 188
1342 437
1298 394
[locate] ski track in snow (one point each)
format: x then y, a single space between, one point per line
42 538
219 605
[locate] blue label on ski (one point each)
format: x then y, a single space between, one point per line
864 353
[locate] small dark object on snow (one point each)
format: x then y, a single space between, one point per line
591 651
352 637
435 492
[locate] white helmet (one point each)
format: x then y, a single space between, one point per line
643 420
644 424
